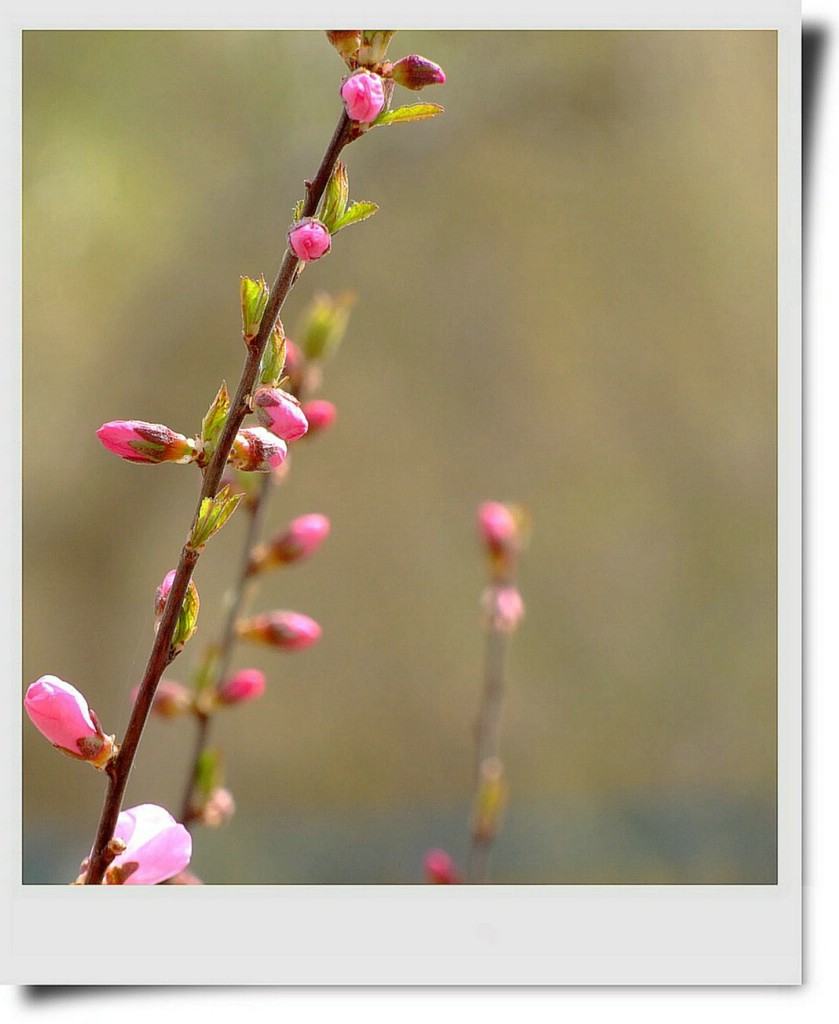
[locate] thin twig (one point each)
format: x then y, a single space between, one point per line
224 650
242 588
488 735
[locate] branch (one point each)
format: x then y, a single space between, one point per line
489 771
224 651
161 653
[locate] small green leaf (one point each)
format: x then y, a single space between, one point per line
214 419
416 112
297 211
335 198
356 212
254 301
273 358
187 619
212 515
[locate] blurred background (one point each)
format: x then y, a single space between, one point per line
567 299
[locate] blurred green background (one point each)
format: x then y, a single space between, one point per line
567 298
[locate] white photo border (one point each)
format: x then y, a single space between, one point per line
443 935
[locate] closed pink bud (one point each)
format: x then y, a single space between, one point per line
258 450
309 239
162 593
440 868
59 712
364 96
416 72
290 631
503 608
497 525
154 847
219 808
295 365
186 622
319 414
245 685
170 699
280 412
137 441
302 538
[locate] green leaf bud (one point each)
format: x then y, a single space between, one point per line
214 418
323 325
254 301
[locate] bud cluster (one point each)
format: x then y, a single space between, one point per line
367 50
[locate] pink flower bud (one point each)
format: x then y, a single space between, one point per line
497 525
364 96
289 631
280 412
137 441
416 72
302 538
186 622
440 868
170 699
162 593
61 713
258 450
309 239
154 847
295 365
501 528
503 608
245 685
219 808
319 414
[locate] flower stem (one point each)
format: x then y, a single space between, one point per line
161 653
